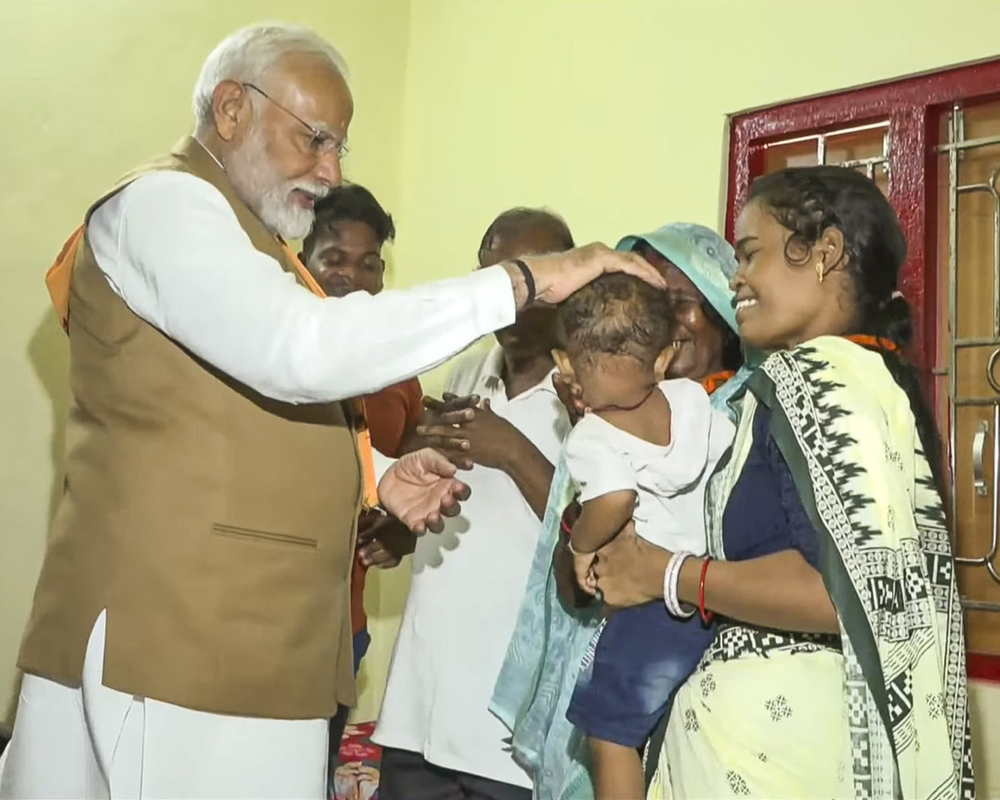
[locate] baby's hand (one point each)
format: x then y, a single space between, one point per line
583 566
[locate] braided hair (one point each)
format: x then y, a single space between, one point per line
809 200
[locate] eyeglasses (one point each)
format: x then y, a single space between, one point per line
321 143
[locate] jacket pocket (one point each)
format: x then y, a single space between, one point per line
235 532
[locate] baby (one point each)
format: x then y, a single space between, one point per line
644 450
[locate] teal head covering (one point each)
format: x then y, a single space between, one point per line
707 259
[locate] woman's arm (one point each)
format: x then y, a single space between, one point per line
779 591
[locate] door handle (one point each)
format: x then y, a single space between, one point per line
991 378
978 446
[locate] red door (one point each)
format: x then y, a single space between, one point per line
932 144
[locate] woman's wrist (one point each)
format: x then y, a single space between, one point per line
671 600
688 580
652 578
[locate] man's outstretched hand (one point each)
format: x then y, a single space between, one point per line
420 489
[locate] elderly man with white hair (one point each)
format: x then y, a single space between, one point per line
190 633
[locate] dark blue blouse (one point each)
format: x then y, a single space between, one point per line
764 514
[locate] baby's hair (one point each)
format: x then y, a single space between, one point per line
619 316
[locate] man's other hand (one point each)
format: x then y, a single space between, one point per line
383 540
420 489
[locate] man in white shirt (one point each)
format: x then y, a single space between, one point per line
440 740
180 641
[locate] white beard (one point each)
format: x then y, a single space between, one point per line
265 192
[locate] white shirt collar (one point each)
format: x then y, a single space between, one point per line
216 160
491 383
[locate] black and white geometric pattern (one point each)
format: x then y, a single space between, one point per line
778 708
900 691
968 777
935 705
738 641
883 515
690 720
893 456
737 783
858 725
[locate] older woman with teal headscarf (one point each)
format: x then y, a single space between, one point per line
544 657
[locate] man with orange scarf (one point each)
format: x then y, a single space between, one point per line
190 634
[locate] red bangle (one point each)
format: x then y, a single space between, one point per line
706 616
566 529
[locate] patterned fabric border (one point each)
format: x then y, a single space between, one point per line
846 430
741 641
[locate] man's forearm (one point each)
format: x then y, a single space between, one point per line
532 474
193 274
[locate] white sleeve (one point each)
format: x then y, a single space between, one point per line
451 379
597 466
172 249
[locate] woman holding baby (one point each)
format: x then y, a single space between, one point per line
838 665
835 666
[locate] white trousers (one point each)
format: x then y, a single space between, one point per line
96 743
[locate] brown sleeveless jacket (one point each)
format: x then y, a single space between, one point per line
215 525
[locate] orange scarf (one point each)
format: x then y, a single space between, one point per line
369 499
58 279
715 380
872 342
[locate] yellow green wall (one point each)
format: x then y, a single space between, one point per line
612 112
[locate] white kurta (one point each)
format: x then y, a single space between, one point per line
172 249
95 742
464 597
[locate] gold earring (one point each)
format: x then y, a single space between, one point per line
820 274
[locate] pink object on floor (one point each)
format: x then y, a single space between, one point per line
357 776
